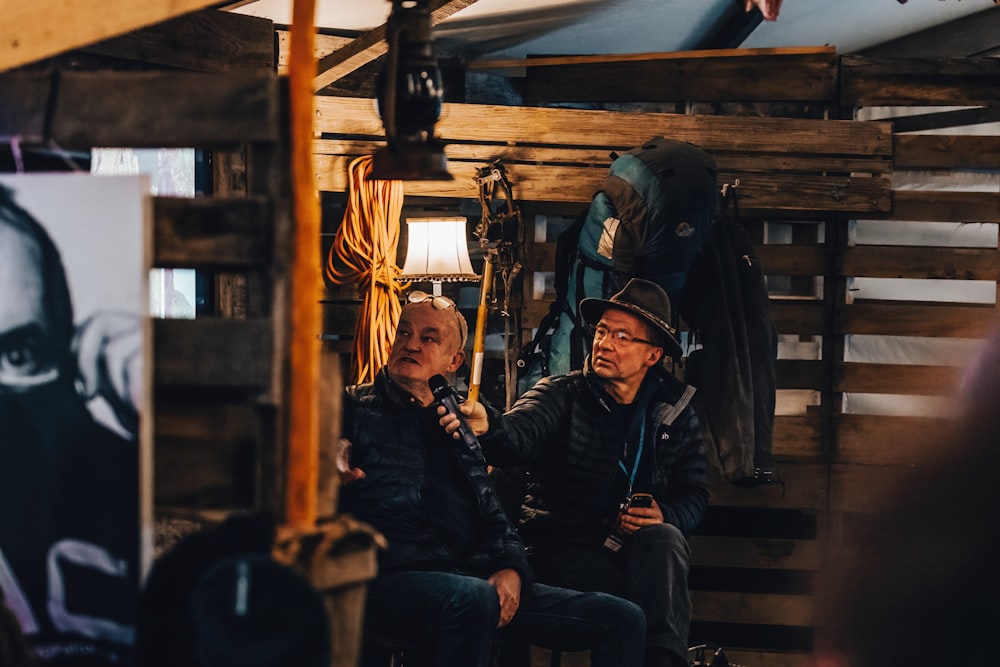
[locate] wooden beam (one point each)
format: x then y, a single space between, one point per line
209 352
798 437
919 81
211 233
912 380
748 78
758 553
941 206
805 489
906 319
887 440
945 119
207 41
971 35
36 29
775 191
622 130
922 262
800 259
127 109
946 151
372 45
549 61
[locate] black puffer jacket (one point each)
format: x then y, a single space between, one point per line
566 434
382 424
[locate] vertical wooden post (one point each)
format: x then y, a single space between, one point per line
303 435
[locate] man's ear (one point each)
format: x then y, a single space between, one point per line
655 356
456 361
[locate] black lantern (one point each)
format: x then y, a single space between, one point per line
410 93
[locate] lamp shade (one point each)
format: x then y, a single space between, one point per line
437 250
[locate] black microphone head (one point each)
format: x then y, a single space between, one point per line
439 386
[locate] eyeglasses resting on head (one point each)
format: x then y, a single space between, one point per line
618 336
441 302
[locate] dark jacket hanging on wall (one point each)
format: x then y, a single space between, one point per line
726 305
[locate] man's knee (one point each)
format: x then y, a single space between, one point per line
474 599
663 536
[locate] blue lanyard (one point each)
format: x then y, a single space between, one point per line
638 457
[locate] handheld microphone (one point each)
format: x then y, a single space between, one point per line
446 396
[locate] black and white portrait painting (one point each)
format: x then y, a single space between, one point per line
74 448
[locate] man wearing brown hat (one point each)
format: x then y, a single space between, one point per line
597 444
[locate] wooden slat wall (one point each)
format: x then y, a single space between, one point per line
219 382
562 155
815 175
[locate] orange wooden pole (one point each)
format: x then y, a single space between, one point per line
306 280
479 340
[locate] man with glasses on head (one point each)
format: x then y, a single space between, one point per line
455 569
616 467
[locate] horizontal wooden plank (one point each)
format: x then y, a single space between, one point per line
946 151
889 440
922 262
25 98
937 120
340 318
798 316
323 45
662 56
727 161
801 374
753 608
919 82
867 488
206 41
620 131
902 319
757 553
914 380
804 77
213 352
164 109
563 183
798 437
805 488
204 451
36 29
207 232
799 259
941 206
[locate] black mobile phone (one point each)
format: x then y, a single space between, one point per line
641 500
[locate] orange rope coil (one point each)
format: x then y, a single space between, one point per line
365 246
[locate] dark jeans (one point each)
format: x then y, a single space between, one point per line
449 620
651 570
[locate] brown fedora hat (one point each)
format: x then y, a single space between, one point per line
644 299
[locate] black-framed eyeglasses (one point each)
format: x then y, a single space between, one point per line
618 336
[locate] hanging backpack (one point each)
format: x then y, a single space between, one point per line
648 221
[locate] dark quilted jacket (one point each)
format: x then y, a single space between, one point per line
384 435
569 439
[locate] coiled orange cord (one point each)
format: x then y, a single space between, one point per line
365 246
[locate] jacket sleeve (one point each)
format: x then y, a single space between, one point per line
512 553
686 496
518 437
505 550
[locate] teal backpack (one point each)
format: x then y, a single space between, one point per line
649 220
